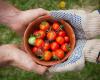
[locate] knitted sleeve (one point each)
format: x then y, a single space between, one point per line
75 61
75 17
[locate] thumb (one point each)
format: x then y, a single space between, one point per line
30 15
25 61
22 60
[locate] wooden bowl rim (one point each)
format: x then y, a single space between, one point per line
50 63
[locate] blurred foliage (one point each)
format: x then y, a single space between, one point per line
53 4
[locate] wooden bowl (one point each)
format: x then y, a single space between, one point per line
33 25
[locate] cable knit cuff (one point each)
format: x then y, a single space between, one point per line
92 25
86 25
91 50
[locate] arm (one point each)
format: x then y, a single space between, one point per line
7 13
16 19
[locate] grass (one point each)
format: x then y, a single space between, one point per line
90 72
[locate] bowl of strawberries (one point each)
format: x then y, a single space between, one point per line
49 41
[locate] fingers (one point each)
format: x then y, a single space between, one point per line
30 15
21 60
24 61
23 18
41 12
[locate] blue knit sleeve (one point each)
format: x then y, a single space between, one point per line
74 19
73 61
99 11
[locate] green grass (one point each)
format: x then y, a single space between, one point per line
90 72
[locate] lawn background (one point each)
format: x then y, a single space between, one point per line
90 72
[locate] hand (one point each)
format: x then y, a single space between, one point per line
12 55
20 21
86 26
